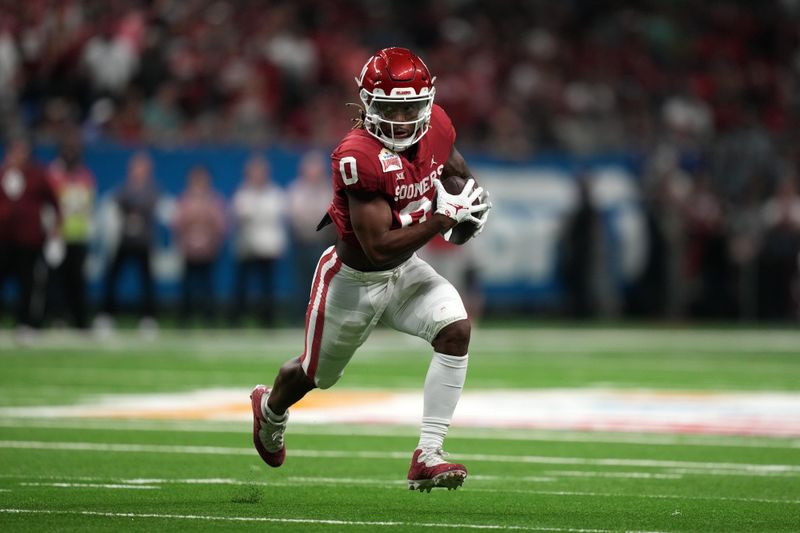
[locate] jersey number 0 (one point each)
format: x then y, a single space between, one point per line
347 168
416 211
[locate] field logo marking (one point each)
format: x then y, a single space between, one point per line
613 410
304 521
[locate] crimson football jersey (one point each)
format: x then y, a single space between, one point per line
23 194
362 163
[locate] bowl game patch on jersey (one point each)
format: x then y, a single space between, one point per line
390 160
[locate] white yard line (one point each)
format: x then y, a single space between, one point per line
130 448
91 486
395 484
302 521
646 463
209 426
672 473
345 454
137 481
515 479
545 340
624 339
392 484
622 475
723 472
292 481
638 495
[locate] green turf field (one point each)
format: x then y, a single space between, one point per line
79 473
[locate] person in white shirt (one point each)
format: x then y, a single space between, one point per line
259 212
110 60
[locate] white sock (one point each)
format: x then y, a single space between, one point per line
443 385
268 414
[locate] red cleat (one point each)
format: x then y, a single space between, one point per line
267 435
429 470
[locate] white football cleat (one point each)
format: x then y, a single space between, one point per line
267 435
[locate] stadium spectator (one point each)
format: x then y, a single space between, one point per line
110 59
588 83
126 123
579 78
10 63
199 227
585 260
309 196
779 259
709 270
25 195
661 290
745 230
601 88
136 201
259 212
162 120
76 189
384 178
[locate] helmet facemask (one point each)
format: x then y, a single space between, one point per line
380 110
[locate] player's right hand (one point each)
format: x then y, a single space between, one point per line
459 206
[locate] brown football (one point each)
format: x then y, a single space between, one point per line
463 231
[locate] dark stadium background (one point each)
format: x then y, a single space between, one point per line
690 106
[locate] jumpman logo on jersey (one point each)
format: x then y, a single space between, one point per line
433 161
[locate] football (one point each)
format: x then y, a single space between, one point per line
463 231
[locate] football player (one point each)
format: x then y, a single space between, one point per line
387 203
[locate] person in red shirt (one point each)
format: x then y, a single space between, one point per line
387 203
199 228
25 195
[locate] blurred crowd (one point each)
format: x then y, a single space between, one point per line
49 220
517 76
705 94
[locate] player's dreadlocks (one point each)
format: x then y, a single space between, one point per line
358 121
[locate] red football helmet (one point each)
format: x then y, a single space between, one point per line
397 91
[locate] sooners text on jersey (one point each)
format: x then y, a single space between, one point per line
362 163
